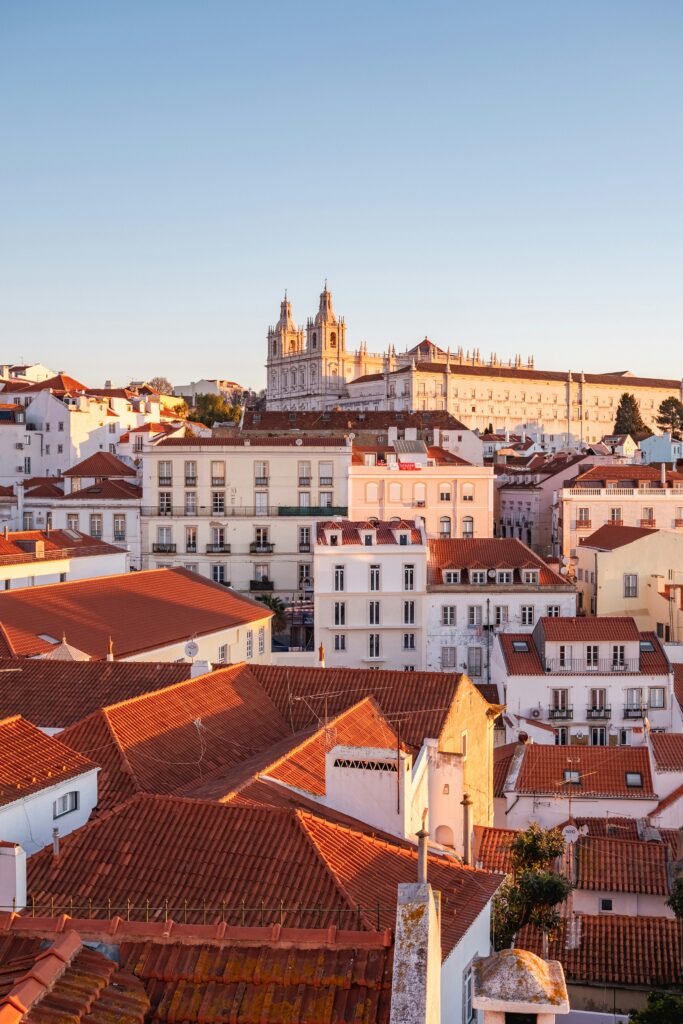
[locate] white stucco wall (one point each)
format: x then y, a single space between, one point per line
30 821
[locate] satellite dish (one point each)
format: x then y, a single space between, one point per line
564 560
492 574
351 436
191 649
299 441
563 570
570 833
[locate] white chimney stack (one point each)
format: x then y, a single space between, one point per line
12 876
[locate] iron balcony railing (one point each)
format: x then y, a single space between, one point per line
304 548
304 481
321 511
164 549
326 481
258 547
165 481
218 549
561 714
634 712
598 666
218 481
602 713
260 481
261 585
244 511
190 481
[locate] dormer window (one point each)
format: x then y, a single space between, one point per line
504 576
572 777
478 576
647 647
335 540
367 539
403 539
520 646
634 779
451 576
531 576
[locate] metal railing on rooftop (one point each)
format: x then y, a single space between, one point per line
599 666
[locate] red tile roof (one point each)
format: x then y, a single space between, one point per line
349 419
492 848
239 440
607 537
502 762
61 382
489 553
613 949
140 611
351 531
99 465
602 771
621 865
589 629
55 694
44 488
625 475
107 490
19 547
521 662
31 761
667 751
231 857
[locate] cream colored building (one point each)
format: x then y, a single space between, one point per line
637 572
370 583
242 510
619 495
408 479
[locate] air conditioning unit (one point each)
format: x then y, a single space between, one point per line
420 504
19 469
536 713
19 446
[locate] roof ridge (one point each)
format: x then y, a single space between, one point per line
300 817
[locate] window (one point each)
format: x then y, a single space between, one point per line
262 639
468 492
218 503
448 615
409 577
190 474
584 515
504 576
634 698
373 613
340 641
60 449
520 646
218 572
571 776
444 492
325 499
165 507
565 656
250 643
374 577
373 645
634 780
304 474
527 615
449 657
606 906
501 614
618 656
444 527
598 736
648 514
474 661
478 576
463 745
592 656
304 538
630 584
261 474
367 540
191 539
72 521
656 697
96 526
325 471
553 611
408 613
262 572
530 576
647 647
339 577
261 503
474 615
408 641
615 515
561 736
223 654
119 527
190 503
66 803
468 526
165 473
340 613
451 576
60 426
468 1011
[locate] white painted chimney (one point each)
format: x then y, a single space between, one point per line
200 668
12 876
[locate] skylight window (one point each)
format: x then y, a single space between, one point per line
46 636
634 779
647 647
572 776
520 646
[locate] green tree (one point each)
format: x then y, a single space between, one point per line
533 890
279 610
662 1008
671 417
628 419
210 409
675 900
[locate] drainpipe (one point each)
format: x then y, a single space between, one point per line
466 804
422 837
488 639
55 842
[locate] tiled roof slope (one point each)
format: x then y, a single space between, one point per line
348 419
351 531
489 553
61 382
229 858
492 848
56 544
520 662
422 699
100 464
502 761
667 750
588 629
177 737
55 694
239 440
107 490
613 949
527 662
66 982
626 474
31 761
621 865
140 611
608 537
602 771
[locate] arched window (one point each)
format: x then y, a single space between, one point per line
468 492
420 495
302 378
468 526
445 526
372 493
275 348
291 346
333 339
444 835
314 340
394 492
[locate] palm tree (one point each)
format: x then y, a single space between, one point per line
279 610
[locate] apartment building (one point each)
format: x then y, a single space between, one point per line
369 593
30 558
599 682
242 510
407 479
621 495
478 588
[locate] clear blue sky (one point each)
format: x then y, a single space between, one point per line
507 175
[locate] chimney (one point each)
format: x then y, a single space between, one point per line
12 876
200 668
422 837
321 656
110 651
466 804
55 842
663 474
416 989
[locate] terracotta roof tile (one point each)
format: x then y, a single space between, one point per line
55 694
19 547
351 531
140 611
621 865
607 537
31 761
107 490
489 553
502 762
602 771
625 475
61 383
101 464
348 419
617 628
239 440
667 750
492 848
522 657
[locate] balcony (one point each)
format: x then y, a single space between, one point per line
190 481
583 524
218 549
678 522
164 549
634 713
260 585
560 714
165 481
260 481
225 511
218 481
649 524
118 537
326 481
598 714
304 549
258 547
614 522
191 549
163 510
321 511
599 666
304 481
